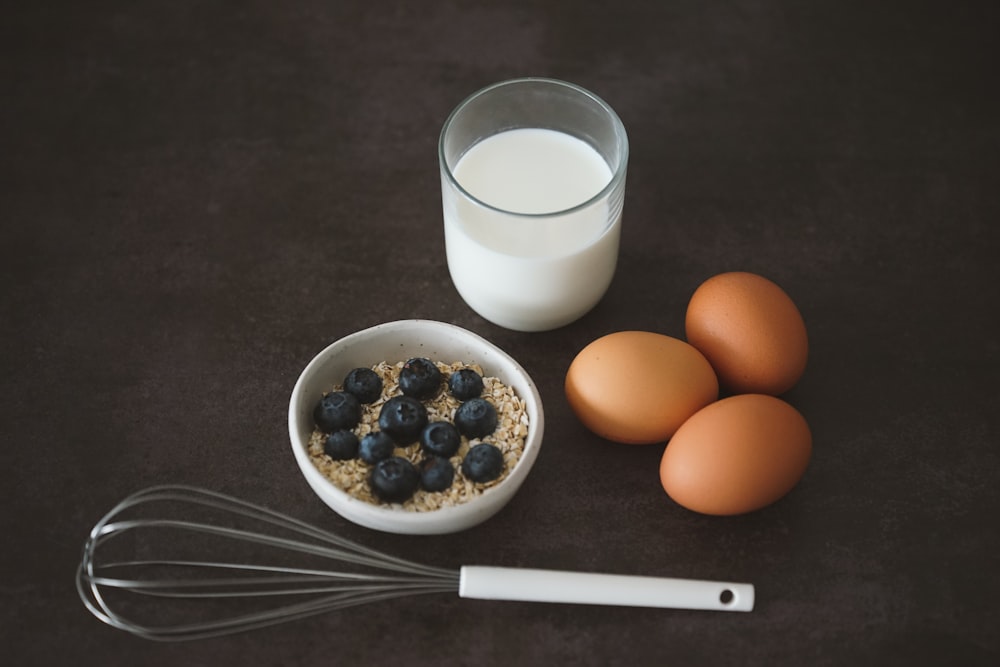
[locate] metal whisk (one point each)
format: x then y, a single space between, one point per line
133 554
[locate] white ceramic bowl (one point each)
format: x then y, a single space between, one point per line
399 341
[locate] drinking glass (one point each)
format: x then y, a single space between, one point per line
533 184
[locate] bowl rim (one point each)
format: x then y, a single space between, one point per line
387 518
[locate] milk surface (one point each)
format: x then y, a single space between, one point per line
534 257
532 171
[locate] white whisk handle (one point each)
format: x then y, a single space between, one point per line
527 585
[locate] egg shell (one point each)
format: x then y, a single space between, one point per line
751 332
638 387
736 455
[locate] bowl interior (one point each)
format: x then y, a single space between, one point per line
399 341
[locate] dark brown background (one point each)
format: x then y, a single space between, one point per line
198 197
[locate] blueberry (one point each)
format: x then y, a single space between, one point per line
365 384
440 439
394 479
483 463
436 473
403 418
376 446
465 384
476 418
337 410
341 445
420 378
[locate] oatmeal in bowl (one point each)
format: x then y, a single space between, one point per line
415 426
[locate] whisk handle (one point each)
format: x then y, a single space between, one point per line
529 585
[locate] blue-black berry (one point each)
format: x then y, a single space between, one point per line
465 384
341 445
436 473
483 463
394 479
365 384
376 446
420 378
403 418
337 410
476 418
440 439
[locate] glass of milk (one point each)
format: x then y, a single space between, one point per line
533 183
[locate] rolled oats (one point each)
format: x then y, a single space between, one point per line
352 475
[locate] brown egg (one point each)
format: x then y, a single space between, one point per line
750 331
737 455
637 387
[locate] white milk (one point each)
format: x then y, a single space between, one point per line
531 272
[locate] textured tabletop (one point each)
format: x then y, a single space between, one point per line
196 198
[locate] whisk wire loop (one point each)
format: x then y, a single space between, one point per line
97 581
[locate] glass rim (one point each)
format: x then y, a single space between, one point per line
616 177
